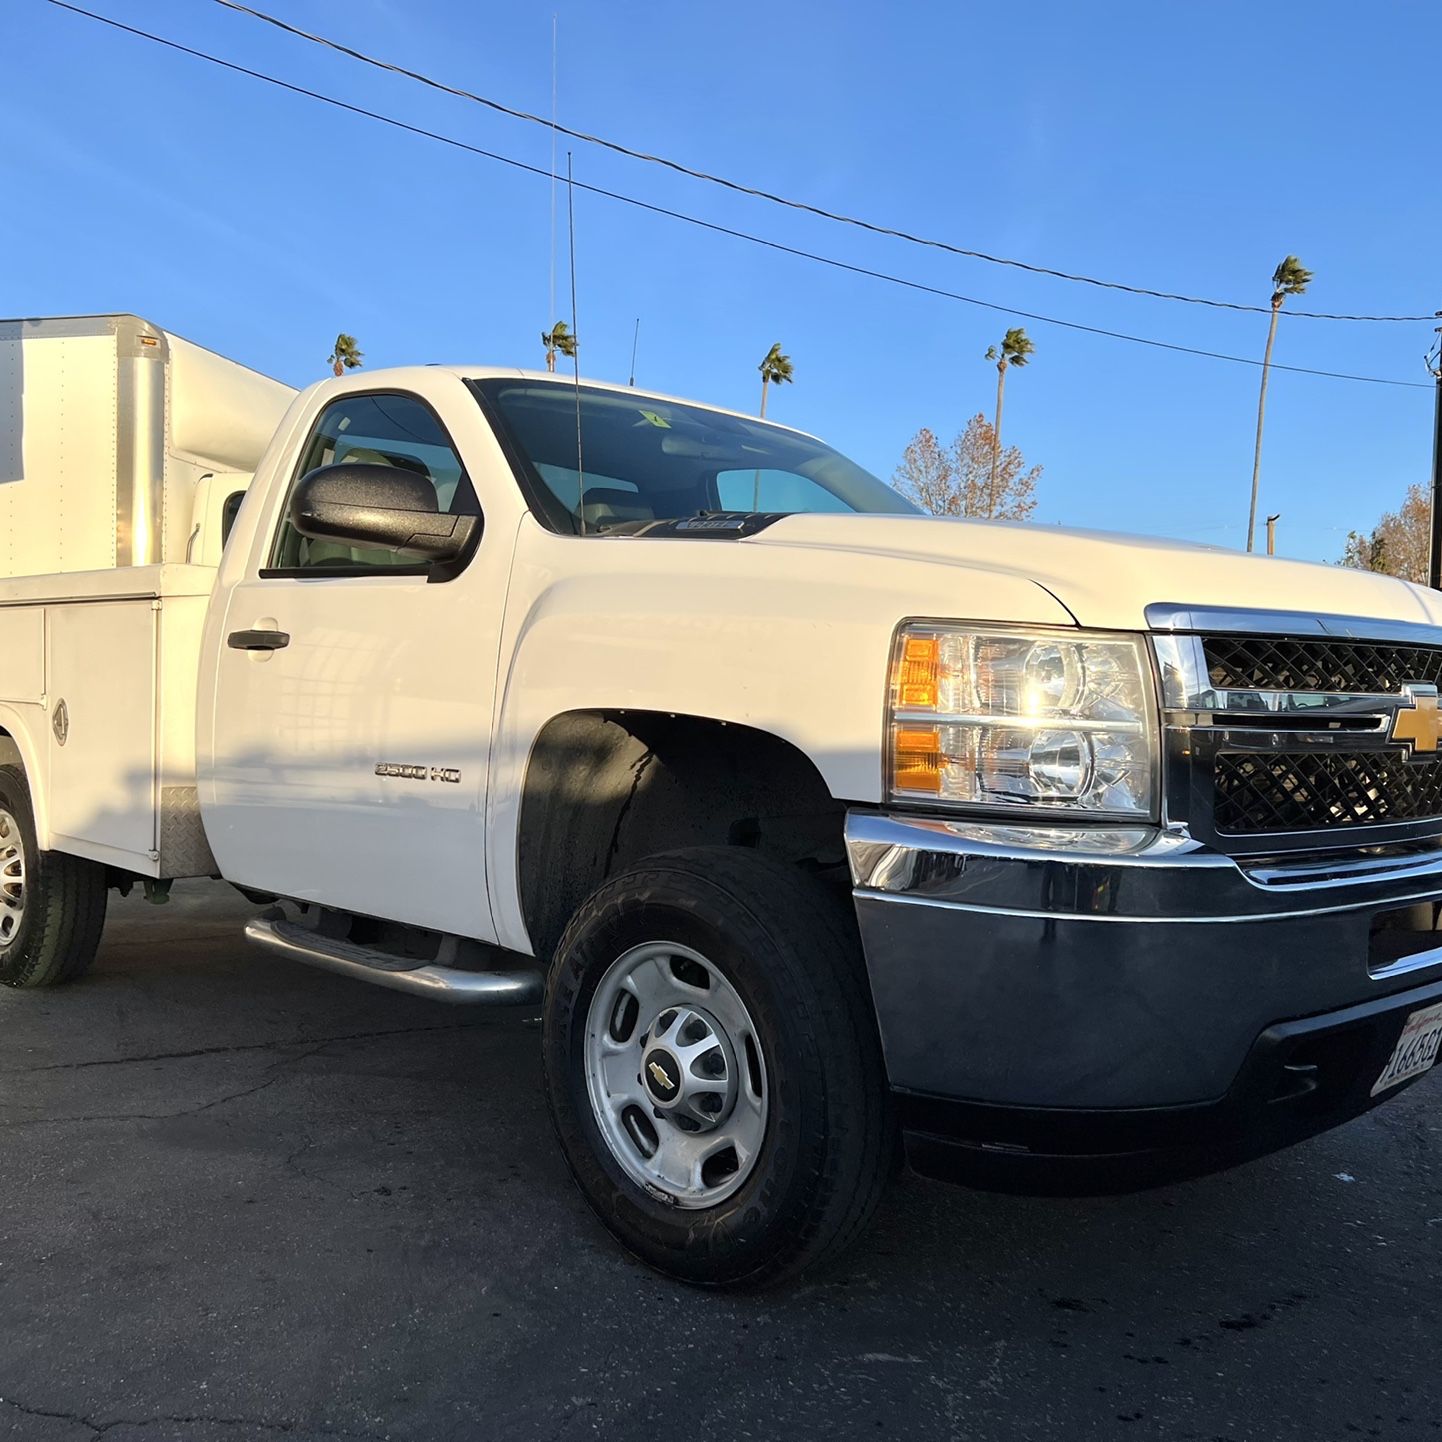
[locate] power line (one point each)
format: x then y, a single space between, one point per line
742 189
709 225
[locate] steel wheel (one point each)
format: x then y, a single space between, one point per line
676 1075
12 878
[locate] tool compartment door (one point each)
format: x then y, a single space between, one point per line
101 703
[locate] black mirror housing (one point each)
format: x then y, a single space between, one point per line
362 504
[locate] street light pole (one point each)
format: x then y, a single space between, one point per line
1434 558
1272 533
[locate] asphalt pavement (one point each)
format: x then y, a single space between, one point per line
240 1199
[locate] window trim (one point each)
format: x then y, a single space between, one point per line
434 571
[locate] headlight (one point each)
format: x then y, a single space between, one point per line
1041 720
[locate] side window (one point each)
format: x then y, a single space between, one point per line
771 490
228 512
380 430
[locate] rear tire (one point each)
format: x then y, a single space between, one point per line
52 905
747 987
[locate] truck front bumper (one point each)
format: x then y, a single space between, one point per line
1076 992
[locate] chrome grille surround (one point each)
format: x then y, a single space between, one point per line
1277 728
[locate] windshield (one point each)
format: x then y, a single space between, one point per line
644 460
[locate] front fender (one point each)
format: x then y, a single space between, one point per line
791 641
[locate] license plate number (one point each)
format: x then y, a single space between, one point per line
1416 1048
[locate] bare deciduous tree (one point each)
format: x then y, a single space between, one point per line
970 477
1399 544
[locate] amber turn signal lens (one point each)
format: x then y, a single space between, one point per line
916 760
917 667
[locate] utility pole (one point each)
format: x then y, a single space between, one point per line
1272 533
1434 559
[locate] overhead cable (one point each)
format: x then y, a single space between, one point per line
709 225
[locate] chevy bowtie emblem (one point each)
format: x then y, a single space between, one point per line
659 1073
1417 720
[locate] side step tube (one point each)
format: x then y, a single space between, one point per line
280 937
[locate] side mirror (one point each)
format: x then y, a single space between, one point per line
383 506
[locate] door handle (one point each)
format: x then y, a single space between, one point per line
258 640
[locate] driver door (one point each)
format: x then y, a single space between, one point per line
353 698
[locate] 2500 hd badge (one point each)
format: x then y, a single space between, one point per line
417 773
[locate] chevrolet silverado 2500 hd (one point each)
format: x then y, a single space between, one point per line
806 817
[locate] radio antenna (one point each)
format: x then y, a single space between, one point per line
575 345
551 309
635 340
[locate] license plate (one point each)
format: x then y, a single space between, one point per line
1416 1048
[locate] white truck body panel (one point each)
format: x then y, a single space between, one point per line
119 446
120 649
106 425
22 644
101 775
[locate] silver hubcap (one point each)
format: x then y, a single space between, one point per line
12 878
675 1075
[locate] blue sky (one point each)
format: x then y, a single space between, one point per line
1183 148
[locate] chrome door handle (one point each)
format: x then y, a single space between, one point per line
258 640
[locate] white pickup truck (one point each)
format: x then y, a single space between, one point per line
816 825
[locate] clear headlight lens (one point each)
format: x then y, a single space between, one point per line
1044 720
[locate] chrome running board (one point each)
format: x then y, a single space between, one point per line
273 933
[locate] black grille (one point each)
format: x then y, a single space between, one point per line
1275 663
1313 790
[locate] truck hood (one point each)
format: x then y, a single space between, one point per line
1107 580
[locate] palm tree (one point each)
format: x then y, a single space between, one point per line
775 367
558 340
1289 278
346 356
1015 349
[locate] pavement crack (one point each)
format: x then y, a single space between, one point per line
261 1424
237 1048
51 1414
194 1419
274 1074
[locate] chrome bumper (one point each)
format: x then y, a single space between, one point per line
1101 967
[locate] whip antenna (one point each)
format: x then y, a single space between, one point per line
635 340
551 309
575 345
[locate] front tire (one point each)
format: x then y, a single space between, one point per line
52 905
713 1069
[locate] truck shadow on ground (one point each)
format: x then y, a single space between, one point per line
304 1204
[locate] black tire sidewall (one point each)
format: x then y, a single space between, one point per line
745 1233
15 798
